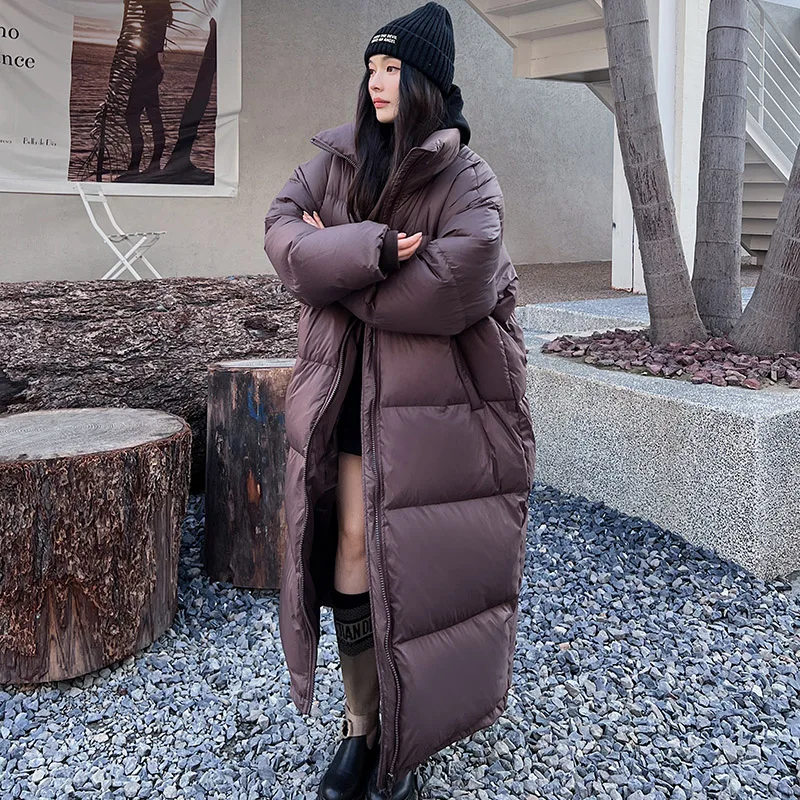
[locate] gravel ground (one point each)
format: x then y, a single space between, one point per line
646 669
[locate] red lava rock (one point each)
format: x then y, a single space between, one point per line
714 361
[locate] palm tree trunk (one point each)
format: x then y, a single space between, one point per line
717 264
673 310
769 323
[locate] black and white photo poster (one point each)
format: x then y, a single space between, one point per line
141 95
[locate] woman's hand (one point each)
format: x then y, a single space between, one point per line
407 245
315 220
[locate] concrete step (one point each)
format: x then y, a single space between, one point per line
759 210
761 173
560 21
578 56
509 8
764 192
757 227
757 243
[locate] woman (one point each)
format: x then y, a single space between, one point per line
408 353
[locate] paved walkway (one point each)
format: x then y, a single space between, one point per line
552 283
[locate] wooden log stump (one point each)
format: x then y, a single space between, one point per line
91 506
245 471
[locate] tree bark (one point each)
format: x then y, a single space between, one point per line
142 344
717 264
246 471
770 321
673 310
93 502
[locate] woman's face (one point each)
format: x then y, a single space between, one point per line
384 86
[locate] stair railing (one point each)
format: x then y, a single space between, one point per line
773 81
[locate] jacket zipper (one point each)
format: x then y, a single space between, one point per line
390 773
331 394
330 149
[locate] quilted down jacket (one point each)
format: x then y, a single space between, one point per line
448 444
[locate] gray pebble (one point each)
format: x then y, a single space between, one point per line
645 669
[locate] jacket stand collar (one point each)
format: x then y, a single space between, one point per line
420 165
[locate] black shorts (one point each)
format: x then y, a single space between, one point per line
348 426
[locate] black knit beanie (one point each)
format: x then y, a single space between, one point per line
424 39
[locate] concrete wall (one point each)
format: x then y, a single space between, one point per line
549 143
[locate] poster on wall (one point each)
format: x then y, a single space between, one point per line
141 95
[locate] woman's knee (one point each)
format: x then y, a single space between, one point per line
350 507
351 546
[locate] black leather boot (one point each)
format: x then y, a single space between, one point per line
348 774
404 789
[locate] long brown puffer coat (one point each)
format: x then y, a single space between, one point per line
448 444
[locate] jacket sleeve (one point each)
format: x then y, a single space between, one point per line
321 266
449 284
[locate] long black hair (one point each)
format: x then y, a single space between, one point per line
381 147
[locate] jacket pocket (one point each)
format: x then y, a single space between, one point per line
475 400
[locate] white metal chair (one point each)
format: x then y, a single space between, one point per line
140 241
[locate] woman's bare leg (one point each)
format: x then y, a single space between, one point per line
351 558
351 610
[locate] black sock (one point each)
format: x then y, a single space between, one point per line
353 622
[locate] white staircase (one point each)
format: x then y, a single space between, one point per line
773 128
564 40
554 39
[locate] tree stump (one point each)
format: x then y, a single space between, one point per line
245 471
92 504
